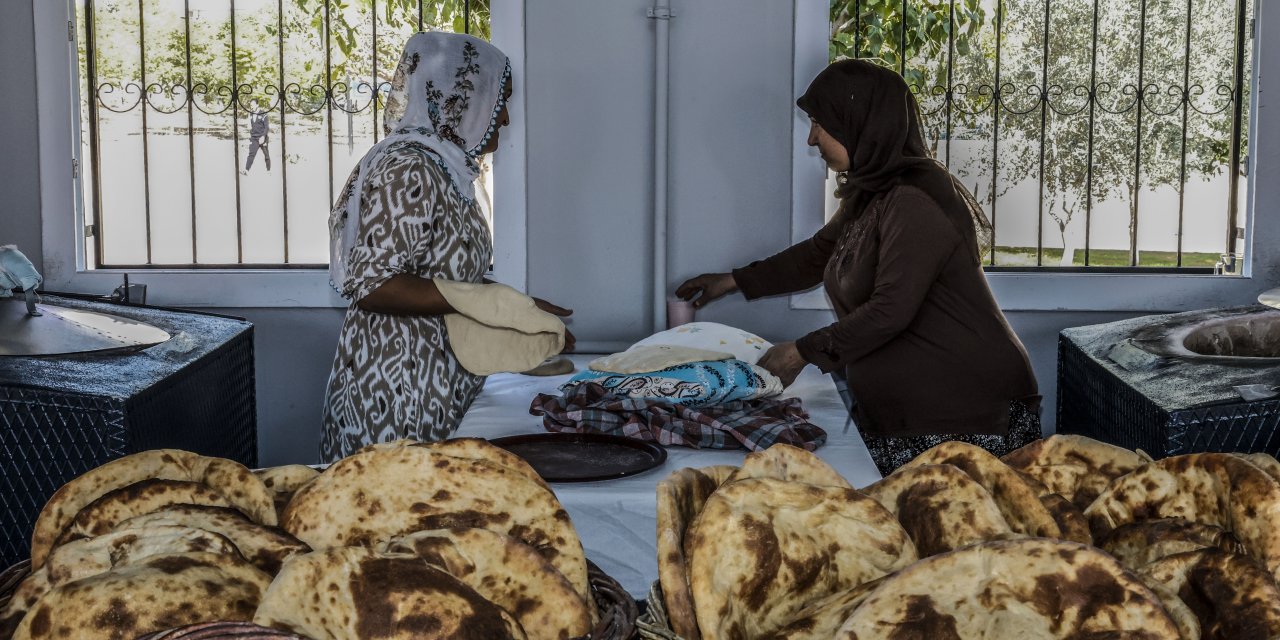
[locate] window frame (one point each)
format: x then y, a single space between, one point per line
62 213
1046 290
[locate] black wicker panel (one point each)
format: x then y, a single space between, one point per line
1246 427
47 439
216 390
1093 402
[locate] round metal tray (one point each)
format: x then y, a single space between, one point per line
584 457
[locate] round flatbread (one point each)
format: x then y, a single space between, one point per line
105 513
351 593
1071 521
285 481
1138 544
761 550
371 497
1012 590
1018 502
1210 488
265 547
822 619
792 464
1233 596
471 449
941 508
232 480
1265 462
1075 467
507 572
156 593
681 496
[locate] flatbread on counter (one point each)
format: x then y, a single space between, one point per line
1075 467
1210 488
372 497
353 593
1018 501
1012 590
508 573
941 508
762 550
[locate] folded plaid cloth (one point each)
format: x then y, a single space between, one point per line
746 424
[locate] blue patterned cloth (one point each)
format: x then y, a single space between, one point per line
697 384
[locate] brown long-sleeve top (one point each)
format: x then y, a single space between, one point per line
925 347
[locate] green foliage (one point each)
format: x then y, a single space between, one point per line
916 31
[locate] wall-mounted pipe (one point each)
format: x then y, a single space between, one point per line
661 14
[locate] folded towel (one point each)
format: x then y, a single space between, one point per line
754 425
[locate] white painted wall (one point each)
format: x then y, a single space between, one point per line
589 122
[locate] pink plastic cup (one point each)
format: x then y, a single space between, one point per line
678 312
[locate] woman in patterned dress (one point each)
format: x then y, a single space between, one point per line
927 353
415 218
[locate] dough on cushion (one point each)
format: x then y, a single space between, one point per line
1075 467
497 328
941 508
654 357
762 550
712 336
1012 590
1210 488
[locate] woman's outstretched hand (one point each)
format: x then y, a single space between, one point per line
784 361
710 285
569 341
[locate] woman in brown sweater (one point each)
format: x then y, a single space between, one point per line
928 354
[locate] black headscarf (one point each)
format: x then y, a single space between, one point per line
870 110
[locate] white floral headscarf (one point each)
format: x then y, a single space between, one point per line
446 95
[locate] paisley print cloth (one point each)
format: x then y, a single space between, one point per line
394 376
695 384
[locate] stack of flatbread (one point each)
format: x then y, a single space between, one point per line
455 539
1065 538
149 542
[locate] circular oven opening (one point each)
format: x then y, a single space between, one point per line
1255 335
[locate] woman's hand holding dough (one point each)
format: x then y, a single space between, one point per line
784 361
710 285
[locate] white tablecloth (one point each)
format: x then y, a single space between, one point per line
616 519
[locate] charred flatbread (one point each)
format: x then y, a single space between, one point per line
1012 590
372 497
507 572
1210 488
792 464
105 513
230 479
266 547
353 593
1018 502
1075 467
941 508
1138 544
681 496
761 550
1233 596
154 594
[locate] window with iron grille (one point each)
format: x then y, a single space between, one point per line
1099 135
215 133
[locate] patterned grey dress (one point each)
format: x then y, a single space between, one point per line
395 376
